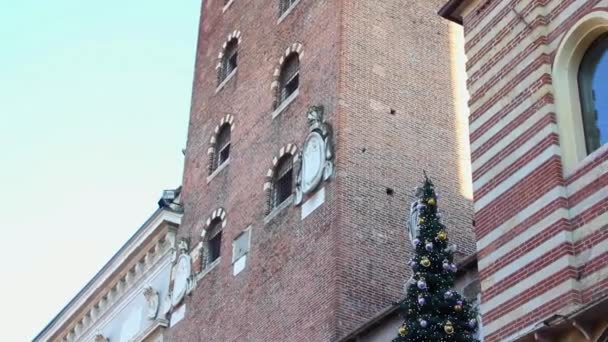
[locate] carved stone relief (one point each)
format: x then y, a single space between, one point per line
315 161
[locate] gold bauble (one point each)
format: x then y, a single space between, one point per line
421 220
425 262
448 328
458 307
431 201
443 235
403 331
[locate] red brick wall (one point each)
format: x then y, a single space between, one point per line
317 279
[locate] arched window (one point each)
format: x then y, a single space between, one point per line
229 60
282 181
222 147
593 88
284 5
213 241
289 79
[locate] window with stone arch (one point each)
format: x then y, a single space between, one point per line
220 143
228 57
580 81
281 178
286 82
212 238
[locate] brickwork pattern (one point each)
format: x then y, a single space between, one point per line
541 229
320 278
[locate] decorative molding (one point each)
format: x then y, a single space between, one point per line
218 213
153 299
315 163
96 311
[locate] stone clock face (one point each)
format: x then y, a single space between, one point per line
182 273
313 159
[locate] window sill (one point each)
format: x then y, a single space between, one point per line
208 269
226 6
286 203
226 80
285 103
287 12
218 170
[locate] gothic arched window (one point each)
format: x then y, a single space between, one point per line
229 60
289 79
221 151
593 88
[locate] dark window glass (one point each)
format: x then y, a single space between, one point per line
222 151
284 5
593 85
230 59
214 242
289 79
283 184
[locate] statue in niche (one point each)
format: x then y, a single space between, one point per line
153 300
315 161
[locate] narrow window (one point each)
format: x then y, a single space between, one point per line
284 5
289 80
283 181
229 60
593 88
214 241
222 147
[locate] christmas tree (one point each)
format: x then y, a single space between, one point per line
432 310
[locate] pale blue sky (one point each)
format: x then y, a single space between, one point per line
94 102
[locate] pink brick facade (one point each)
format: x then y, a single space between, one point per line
541 223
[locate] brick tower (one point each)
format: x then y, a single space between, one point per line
295 221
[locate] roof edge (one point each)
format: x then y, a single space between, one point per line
449 11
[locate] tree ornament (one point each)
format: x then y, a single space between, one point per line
472 323
421 284
457 308
413 263
453 268
421 300
442 236
446 265
425 262
429 246
403 330
423 323
421 220
448 295
448 328
431 201
416 241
